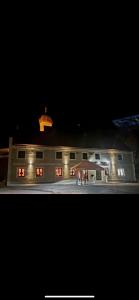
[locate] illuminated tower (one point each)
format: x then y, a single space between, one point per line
45 120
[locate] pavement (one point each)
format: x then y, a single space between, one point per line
70 187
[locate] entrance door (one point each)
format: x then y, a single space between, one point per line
98 175
92 175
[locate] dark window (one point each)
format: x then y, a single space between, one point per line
58 171
72 155
39 172
21 154
58 155
97 156
98 175
104 163
84 155
120 157
21 172
39 154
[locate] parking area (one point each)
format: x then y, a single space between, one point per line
70 187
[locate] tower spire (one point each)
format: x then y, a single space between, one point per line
45 120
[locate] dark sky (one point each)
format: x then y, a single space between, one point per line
87 78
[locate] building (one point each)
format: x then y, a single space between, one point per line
38 163
52 156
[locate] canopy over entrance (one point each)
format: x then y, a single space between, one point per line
88 171
87 165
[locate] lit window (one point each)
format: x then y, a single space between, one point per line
39 172
84 155
97 156
120 157
58 155
21 172
121 172
21 154
58 171
72 155
39 154
72 172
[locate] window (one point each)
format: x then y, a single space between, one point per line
58 171
97 156
39 154
84 155
72 155
121 172
21 154
21 172
72 172
120 157
58 155
104 163
39 172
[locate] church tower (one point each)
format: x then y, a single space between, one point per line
45 121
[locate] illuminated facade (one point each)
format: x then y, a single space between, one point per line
29 163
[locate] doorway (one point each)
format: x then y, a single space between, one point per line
92 175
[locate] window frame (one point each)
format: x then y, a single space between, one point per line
86 154
99 156
38 168
18 154
40 157
72 153
120 154
56 154
119 172
61 171
17 172
71 172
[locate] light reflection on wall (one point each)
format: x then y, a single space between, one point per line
30 169
113 162
91 158
66 165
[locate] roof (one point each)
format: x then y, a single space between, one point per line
88 165
53 137
45 118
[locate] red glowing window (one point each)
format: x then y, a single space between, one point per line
72 172
58 171
39 172
21 172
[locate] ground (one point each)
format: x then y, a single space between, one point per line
70 187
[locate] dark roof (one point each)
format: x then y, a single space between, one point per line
53 137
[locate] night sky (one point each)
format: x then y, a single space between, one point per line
71 109
86 80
